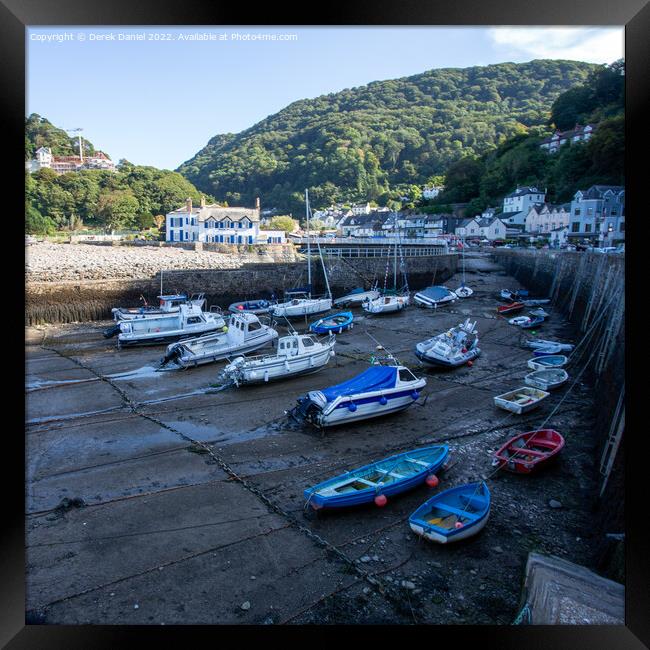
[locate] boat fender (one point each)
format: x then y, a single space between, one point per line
351 325
458 524
383 401
464 350
340 330
415 394
381 500
352 407
266 375
432 480
470 363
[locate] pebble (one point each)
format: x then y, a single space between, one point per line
136 606
407 584
497 549
364 559
246 606
553 503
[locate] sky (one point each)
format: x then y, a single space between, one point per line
157 101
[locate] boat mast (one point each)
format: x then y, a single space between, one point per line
308 246
395 267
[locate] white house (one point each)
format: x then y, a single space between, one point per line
43 159
492 228
517 204
216 224
431 192
469 228
559 236
361 208
545 218
577 134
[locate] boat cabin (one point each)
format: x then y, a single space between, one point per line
296 344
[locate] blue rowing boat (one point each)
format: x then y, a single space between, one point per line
336 323
454 514
383 478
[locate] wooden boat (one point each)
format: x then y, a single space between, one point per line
452 348
244 333
386 477
297 354
521 400
547 379
454 514
379 390
528 451
512 307
337 323
551 361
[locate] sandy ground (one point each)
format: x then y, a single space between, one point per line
130 522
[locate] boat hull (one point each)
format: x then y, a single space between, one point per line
535 397
435 360
522 460
163 337
439 538
343 415
547 378
542 363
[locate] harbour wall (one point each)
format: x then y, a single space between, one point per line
589 289
87 300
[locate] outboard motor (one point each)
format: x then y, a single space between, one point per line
112 331
173 354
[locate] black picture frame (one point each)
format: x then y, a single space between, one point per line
15 15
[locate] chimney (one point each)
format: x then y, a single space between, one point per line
257 203
188 205
202 200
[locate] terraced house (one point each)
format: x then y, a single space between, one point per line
598 213
214 224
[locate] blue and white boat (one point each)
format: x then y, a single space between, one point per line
547 350
433 297
379 390
551 361
357 297
454 514
452 348
541 343
256 307
337 323
386 477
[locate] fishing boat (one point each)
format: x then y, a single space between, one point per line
528 451
452 348
551 361
244 333
379 390
463 291
390 300
541 343
305 304
297 354
434 296
521 400
509 309
547 378
256 307
386 477
357 297
454 514
188 322
337 323
168 305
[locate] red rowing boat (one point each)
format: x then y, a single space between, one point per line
525 452
507 309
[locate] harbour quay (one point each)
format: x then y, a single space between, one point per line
154 497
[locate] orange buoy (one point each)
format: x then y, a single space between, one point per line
432 480
381 500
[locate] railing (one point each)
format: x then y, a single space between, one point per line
388 251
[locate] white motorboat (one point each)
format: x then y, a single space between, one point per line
357 297
463 291
377 391
297 354
434 296
168 305
521 400
390 300
244 333
188 322
452 348
306 304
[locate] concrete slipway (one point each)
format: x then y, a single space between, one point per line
150 501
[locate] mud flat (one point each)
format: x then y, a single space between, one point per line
151 501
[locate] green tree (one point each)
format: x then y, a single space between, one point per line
117 209
283 222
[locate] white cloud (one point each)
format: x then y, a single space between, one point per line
595 45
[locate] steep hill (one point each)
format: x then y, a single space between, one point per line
371 141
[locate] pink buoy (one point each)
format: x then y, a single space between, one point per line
381 500
458 524
241 307
432 480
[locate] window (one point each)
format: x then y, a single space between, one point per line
587 227
614 212
575 226
590 210
193 320
406 375
621 227
577 212
254 326
307 342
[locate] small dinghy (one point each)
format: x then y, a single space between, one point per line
552 361
547 379
541 343
357 297
452 348
521 400
547 350
509 309
385 478
434 296
528 451
534 320
257 307
512 296
337 323
519 320
245 333
454 514
463 291
379 390
297 354
386 304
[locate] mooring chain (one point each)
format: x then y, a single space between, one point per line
378 584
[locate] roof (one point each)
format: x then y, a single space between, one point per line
507 215
597 191
523 191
